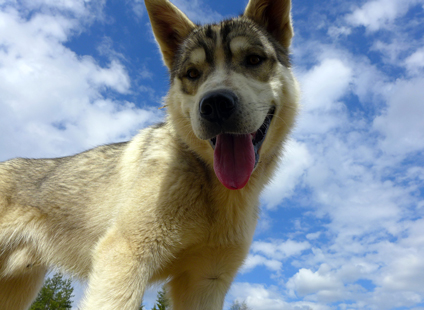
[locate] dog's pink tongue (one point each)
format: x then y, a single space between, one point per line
234 159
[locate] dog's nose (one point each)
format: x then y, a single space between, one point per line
218 106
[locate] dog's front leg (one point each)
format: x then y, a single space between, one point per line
121 270
204 277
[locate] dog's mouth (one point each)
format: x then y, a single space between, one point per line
236 155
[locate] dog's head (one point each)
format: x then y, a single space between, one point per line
233 97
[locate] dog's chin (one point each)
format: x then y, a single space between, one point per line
237 155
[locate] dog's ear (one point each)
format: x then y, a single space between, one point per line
170 27
274 16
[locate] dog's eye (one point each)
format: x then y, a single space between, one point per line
193 74
254 60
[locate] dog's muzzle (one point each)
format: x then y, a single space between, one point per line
236 153
218 106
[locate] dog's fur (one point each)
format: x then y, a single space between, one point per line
125 215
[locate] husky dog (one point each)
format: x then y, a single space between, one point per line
177 203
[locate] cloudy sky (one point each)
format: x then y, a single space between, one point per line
342 224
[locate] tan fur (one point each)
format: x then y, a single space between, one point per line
163 14
274 16
123 216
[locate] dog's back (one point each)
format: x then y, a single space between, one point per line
48 201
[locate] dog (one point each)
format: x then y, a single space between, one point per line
180 201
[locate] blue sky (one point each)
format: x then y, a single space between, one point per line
342 223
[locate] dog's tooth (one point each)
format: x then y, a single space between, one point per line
212 143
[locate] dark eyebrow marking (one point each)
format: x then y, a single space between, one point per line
208 52
209 32
225 30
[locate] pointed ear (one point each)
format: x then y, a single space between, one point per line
274 16
170 27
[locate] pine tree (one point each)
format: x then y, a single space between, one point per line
239 306
162 302
56 294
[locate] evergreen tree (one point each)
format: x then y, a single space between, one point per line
56 294
162 302
239 306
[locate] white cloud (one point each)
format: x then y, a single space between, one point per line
398 40
271 254
394 49
415 62
306 282
52 102
313 236
406 273
138 7
361 189
323 87
280 250
360 163
402 122
77 6
378 14
402 265
336 32
291 168
346 167
325 84
260 297
253 261
395 268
